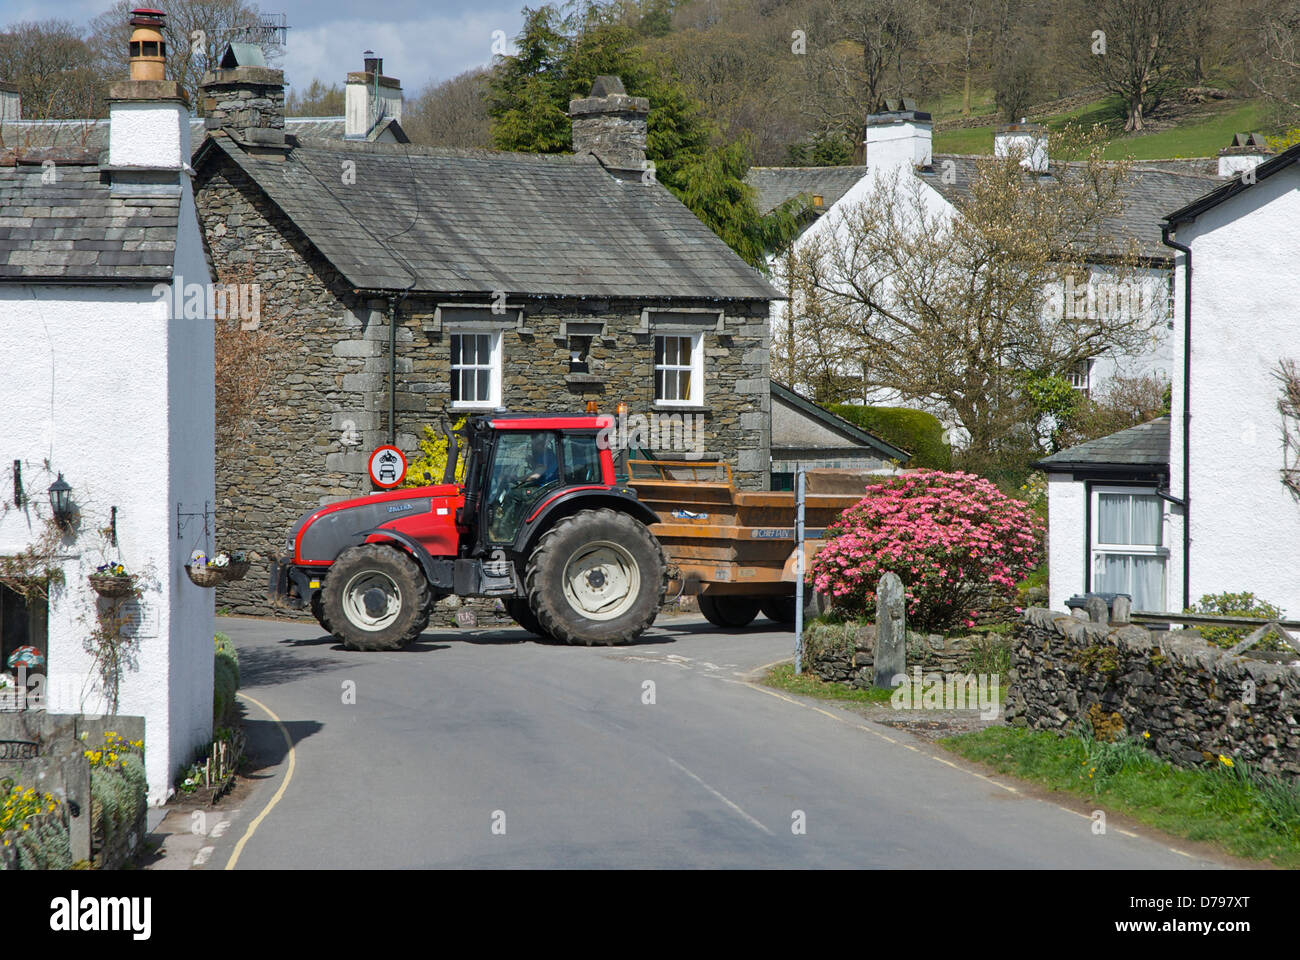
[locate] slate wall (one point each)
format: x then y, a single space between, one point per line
334 370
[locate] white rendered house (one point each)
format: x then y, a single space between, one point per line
1195 503
899 157
109 385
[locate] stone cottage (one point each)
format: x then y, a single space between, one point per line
413 284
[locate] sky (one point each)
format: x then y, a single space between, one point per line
420 42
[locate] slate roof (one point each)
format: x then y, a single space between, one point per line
837 423
92 135
1231 188
74 229
474 221
775 185
1142 448
1149 194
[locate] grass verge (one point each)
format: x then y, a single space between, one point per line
1229 806
782 677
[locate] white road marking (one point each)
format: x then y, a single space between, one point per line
202 856
733 806
216 832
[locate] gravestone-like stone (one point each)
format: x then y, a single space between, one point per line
1120 609
1098 612
890 654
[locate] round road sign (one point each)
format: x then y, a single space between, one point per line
387 467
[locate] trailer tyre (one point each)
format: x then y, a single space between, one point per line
780 609
376 598
727 611
597 577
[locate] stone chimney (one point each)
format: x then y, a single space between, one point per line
370 98
900 136
11 106
611 126
1246 152
148 116
1027 140
244 99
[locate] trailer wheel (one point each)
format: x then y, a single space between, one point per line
318 611
729 612
523 615
597 577
376 598
780 609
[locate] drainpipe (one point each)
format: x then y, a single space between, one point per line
1186 251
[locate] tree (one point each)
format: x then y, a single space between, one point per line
196 32
1276 64
54 69
316 100
952 311
1117 404
452 113
558 59
1140 52
871 58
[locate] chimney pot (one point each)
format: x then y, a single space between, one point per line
148 49
901 135
611 126
369 98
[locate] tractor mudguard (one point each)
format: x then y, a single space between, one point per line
440 571
613 498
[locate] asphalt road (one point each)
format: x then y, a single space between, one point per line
488 749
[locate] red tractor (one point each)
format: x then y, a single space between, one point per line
540 521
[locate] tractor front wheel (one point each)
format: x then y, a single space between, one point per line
597 577
375 598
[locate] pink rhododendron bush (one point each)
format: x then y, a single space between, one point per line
951 538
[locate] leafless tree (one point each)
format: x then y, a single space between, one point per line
1136 49
452 113
953 310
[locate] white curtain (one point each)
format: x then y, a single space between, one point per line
1128 518
1141 577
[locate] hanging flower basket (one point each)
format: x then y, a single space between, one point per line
205 576
238 565
111 580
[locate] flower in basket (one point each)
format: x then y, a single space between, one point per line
28 657
220 560
198 559
111 570
7 681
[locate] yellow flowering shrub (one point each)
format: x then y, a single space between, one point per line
20 806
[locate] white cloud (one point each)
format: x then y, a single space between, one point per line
417 51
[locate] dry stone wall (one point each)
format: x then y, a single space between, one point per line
1196 701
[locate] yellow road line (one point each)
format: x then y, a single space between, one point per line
288 775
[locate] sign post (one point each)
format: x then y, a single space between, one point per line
798 570
387 467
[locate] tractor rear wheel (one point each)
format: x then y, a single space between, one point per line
597 577
523 615
318 611
376 598
729 612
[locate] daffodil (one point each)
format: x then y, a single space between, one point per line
1226 761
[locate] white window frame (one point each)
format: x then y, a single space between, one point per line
1080 376
494 364
1098 549
696 368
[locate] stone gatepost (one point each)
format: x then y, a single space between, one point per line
890 654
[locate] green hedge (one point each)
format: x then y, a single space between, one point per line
225 681
917 432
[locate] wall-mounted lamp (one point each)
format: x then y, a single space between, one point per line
61 501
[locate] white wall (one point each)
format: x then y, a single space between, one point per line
1066 539
102 386
1245 524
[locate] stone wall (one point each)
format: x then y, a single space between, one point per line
1191 697
334 363
842 652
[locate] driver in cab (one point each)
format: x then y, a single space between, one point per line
546 468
